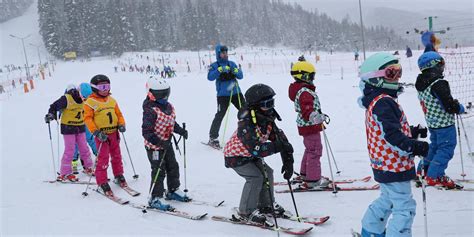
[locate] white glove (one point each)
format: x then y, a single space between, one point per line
316 117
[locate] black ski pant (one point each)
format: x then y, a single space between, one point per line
169 168
222 104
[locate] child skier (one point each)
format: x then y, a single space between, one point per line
85 91
391 145
157 128
439 108
73 130
310 122
103 118
257 137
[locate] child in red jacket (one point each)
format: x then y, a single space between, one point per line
309 121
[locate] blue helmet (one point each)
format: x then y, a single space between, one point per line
85 89
430 60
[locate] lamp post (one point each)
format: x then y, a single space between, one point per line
27 66
37 50
362 28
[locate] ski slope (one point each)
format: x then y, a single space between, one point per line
31 207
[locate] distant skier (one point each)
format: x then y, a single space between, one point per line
392 144
85 91
439 108
409 53
257 137
356 55
225 74
73 130
157 129
105 120
310 123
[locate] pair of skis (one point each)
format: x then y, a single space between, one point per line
340 181
329 188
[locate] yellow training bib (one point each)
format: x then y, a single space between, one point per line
73 114
104 114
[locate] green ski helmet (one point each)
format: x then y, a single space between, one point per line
369 71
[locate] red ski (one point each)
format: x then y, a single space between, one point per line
268 225
361 188
340 181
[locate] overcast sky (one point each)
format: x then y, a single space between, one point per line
339 8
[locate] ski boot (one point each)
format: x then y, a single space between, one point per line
88 172
120 180
160 204
443 182
279 211
67 177
105 187
177 195
255 217
214 142
322 183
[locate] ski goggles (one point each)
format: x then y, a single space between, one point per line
391 73
433 63
267 104
224 49
101 87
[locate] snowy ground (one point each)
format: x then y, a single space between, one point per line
32 207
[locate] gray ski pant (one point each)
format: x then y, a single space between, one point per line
255 192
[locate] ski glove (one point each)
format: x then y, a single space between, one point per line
287 168
420 148
49 117
418 131
316 117
122 128
100 135
235 71
184 133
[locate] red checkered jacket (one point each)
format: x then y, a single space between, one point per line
383 155
157 125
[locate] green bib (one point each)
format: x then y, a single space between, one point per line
435 115
316 107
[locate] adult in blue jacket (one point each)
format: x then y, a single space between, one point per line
225 74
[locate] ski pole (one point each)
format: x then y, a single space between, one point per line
184 163
135 175
329 161
238 94
227 115
460 148
327 120
52 150
423 189
471 154
57 138
84 194
154 154
267 184
294 202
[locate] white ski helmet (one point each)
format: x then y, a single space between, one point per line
158 87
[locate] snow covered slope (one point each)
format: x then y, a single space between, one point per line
31 207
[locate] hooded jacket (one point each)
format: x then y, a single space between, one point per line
224 87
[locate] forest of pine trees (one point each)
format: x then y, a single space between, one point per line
117 26
13 8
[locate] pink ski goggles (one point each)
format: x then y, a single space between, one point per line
101 87
391 73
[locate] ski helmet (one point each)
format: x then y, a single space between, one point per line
260 96
99 79
159 88
304 71
85 89
375 63
430 60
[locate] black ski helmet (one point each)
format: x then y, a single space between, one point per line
99 79
257 94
